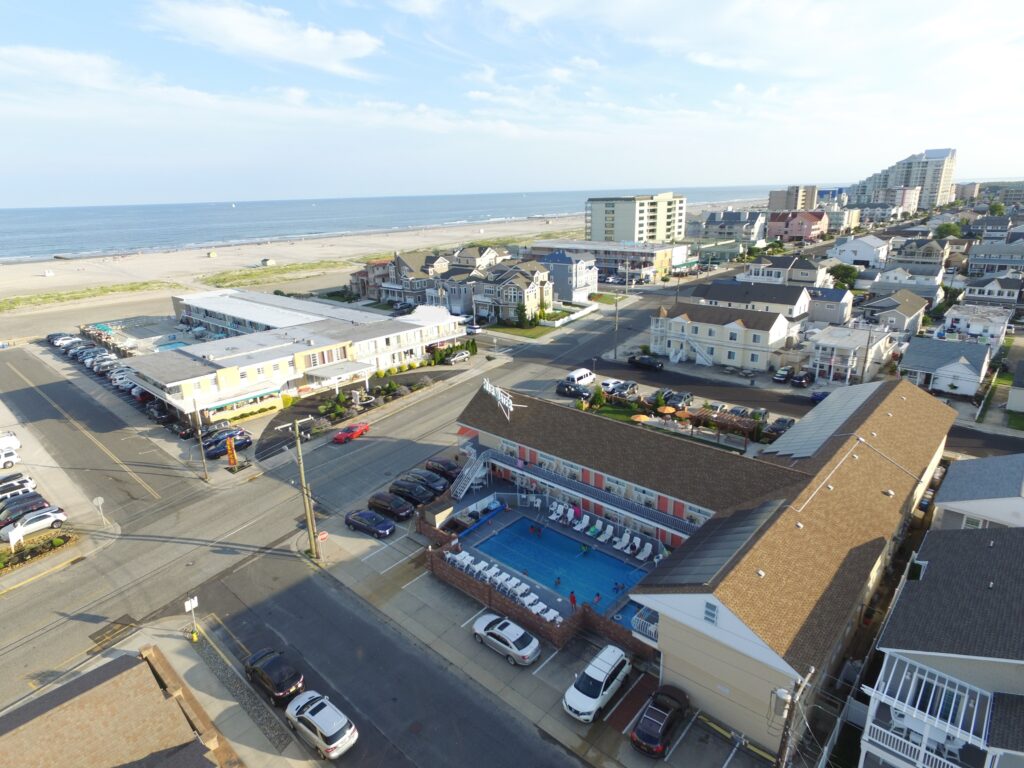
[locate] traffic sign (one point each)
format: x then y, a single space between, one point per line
191 604
322 536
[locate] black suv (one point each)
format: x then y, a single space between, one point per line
269 671
783 374
567 389
414 493
664 713
646 361
446 468
425 477
803 379
391 505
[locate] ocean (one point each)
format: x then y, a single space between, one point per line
35 234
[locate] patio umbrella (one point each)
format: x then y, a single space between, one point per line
640 417
668 410
682 415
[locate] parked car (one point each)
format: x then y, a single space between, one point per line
22 481
659 720
596 685
425 477
784 374
321 725
506 637
680 400
10 440
369 522
351 432
568 389
715 407
19 506
817 397
626 389
13 477
52 337
462 356
220 435
165 418
646 361
414 493
221 448
9 457
665 394
739 411
609 385
781 424
271 673
473 329
446 468
182 429
209 429
50 517
760 414
127 385
391 505
803 379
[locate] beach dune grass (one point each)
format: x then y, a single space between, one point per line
256 275
59 297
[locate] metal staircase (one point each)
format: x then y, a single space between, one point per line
469 474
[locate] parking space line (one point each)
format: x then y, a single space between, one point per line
384 545
731 755
622 698
474 616
549 658
231 634
85 432
415 580
411 554
682 735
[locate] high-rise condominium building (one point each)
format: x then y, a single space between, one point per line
931 170
657 218
968 191
797 198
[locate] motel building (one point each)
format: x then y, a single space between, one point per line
760 569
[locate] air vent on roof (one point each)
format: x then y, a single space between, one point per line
991 543
889 414
874 434
991 584
799 524
830 487
760 573
890 492
310 343
856 456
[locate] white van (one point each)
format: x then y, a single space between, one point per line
9 441
582 376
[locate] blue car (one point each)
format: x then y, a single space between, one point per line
369 522
817 397
216 450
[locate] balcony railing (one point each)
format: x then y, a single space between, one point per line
645 623
908 749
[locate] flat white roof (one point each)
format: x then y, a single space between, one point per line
604 246
276 311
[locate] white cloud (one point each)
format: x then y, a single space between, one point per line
708 59
486 74
86 70
560 74
583 63
264 32
418 7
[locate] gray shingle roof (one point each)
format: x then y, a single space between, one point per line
1005 283
931 354
748 293
905 301
1018 375
1006 724
705 313
992 477
969 600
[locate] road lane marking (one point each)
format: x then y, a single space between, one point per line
473 616
231 634
408 583
84 431
549 658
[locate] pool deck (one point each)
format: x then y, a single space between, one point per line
470 540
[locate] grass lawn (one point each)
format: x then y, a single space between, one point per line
1015 420
379 305
603 298
38 299
526 333
1005 378
617 412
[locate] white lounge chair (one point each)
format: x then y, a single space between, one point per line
623 541
634 547
551 614
512 583
479 568
645 554
607 533
531 599
556 513
583 524
464 561
538 608
500 581
521 589
491 573
595 528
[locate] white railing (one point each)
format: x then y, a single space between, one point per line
466 477
907 748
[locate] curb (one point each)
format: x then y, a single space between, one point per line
73 555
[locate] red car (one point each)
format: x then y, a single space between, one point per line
351 432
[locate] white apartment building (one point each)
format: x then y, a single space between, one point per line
868 252
659 218
907 198
931 170
850 355
710 335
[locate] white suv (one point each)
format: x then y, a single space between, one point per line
594 688
321 724
9 457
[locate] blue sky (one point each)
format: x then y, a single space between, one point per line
182 100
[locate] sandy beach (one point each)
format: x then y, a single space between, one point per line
187 268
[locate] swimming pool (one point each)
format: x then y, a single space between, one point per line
554 556
171 345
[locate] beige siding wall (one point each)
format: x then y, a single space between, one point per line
726 685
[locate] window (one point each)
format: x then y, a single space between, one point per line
711 350
259 371
711 332
733 336
694 329
756 338
730 355
711 613
973 522
276 367
754 357
243 374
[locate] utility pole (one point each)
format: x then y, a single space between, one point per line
199 438
314 545
786 743
615 351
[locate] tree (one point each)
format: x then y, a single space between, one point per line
844 275
996 209
542 310
521 319
949 229
598 399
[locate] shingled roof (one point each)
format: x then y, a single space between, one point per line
706 313
703 474
801 573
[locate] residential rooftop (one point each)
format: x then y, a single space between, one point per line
991 477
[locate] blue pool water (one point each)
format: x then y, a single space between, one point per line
171 345
555 555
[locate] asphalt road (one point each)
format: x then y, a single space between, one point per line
410 706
